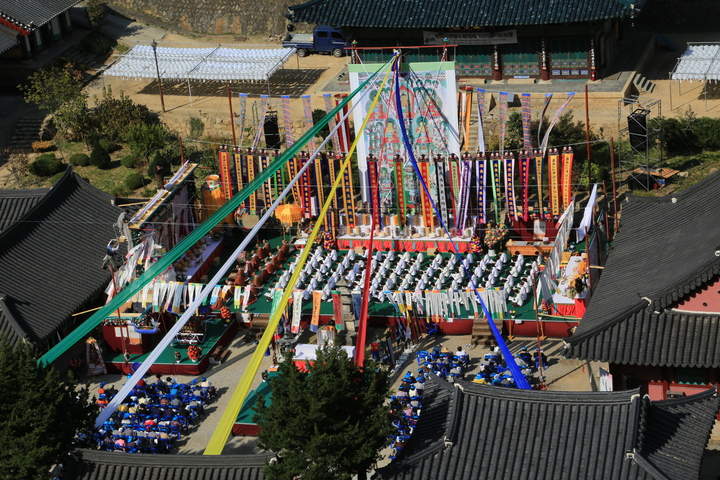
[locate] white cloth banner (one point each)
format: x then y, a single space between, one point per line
587 216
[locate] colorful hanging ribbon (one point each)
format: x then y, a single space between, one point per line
287 121
242 113
332 123
526 114
555 119
481 173
509 165
525 182
261 125
307 109
502 114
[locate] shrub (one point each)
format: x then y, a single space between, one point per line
113 116
707 131
79 160
119 191
197 127
99 158
144 139
134 181
148 192
95 45
43 146
46 165
129 161
108 146
56 177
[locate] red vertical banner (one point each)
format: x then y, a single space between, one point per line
400 189
426 205
225 176
348 191
250 159
567 164
553 174
315 318
374 189
525 182
337 310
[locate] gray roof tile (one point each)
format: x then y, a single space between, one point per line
455 13
39 12
664 251
498 432
50 259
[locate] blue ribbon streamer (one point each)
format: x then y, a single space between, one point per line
520 380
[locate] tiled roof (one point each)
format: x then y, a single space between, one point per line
50 260
496 432
16 203
39 12
455 13
665 249
8 39
100 465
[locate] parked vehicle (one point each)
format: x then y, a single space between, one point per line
324 39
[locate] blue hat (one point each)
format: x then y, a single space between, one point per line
102 384
204 378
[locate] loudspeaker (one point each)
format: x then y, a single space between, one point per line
272 132
637 126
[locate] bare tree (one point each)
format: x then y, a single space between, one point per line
18 164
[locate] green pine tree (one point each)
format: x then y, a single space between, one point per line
40 413
327 423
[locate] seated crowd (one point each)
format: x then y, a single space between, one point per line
406 405
444 363
495 371
153 416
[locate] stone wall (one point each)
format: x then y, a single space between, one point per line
244 17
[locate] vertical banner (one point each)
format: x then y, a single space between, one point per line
538 179
495 181
292 171
307 110
567 164
526 114
319 186
287 121
481 118
332 123
225 176
267 184
510 186
502 115
525 182
337 310
315 319
306 188
374 189
239 168
553 159
261 124
401 209
453 164
279 183
242 113
440 190
297 311
348 192
250 159
426 205
334 201
481 173
555 119
465 174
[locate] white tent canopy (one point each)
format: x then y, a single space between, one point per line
213 63
700 61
